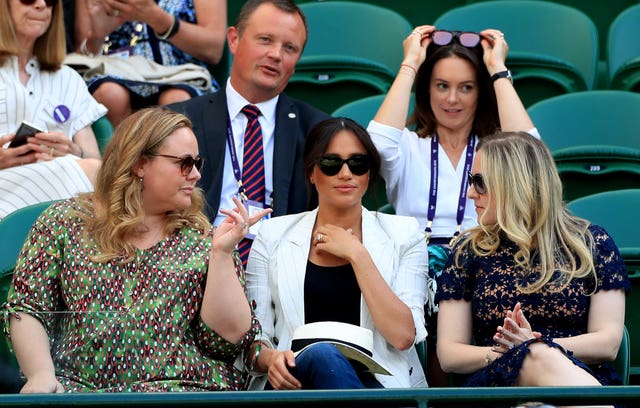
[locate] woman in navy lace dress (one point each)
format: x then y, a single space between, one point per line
533 296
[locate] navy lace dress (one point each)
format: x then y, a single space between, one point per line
490 283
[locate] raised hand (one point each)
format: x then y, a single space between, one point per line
235 226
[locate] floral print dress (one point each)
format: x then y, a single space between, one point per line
491 284
133 326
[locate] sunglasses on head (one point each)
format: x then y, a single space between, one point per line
331 164
465 38
49 3
187 163
477 182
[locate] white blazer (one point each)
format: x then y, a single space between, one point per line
276 272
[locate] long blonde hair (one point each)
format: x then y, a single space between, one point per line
519 171
114 211
50 48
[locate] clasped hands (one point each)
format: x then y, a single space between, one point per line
514 331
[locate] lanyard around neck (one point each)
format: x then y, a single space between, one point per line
433 187
234 161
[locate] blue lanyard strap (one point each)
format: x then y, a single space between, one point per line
234 160
433 186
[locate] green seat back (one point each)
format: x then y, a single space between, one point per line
103 130
543 54
353 51
602 13
13 231
632 321
614 211
623 50
622 363
594 138
6 356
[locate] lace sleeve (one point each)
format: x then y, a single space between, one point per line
456 280
610 268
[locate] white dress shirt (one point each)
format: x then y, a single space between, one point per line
267 119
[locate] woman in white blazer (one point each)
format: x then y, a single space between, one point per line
339 262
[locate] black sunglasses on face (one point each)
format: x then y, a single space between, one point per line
331 164
477 182
466 38
49 3
187 163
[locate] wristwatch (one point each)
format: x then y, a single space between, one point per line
502 74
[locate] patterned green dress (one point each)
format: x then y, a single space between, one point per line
125 327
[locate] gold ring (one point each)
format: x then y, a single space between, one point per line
51 150
116 12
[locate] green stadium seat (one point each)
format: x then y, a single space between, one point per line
614 211
593 136
622 363
602 13
542 37
103 130
353 51
623 50
13 231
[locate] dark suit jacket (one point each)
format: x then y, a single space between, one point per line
294 119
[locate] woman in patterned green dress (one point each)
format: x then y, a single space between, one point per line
128 288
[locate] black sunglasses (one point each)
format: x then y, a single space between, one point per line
49 3
331 164
477 182
187 163
465 38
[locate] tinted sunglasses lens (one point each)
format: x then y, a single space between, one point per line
477 182
49 3
469 39
187 164
330 165
442 37
358 165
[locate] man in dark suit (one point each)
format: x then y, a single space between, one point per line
266 43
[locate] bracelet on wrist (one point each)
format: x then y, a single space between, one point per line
84 50
415 71
488 358
175 27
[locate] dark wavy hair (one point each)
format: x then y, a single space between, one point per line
486 119
321 135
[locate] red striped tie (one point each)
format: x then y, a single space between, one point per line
252 168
